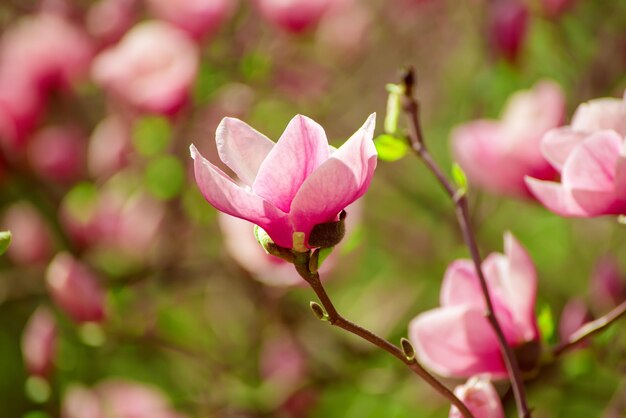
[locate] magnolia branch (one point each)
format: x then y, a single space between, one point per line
418 145
302 264
590 329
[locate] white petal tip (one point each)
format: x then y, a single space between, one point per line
193 151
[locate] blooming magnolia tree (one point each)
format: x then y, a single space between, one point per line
124 294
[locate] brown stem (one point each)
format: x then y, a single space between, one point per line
590 328
335 318
418 145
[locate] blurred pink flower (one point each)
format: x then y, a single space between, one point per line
575 314
199 18
21 106
109 147
555 8
108 20
152 68
293 15
607 286
456 340
39 342
282 362
57 153
589 155
344 30
508 27
479 395
510 147
117 399
75 289
292 185
31 241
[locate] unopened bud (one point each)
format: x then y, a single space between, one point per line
328 234
318 311
407 349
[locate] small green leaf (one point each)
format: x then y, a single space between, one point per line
262 237
165 177
545 321
390 148
459 177
323 255
394 106
318 311
151 135
5 241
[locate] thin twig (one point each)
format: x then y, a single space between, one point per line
335 318
418 145
590 328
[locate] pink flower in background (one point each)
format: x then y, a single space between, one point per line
345 29
574 315
293 15
39 343
607 285
109 147
456 340
108 20
31 241
152 68
21 106
555 8
590 158
57 153
199 18
508 27
511 146
292 185
75 289
480 397
117 399
283 362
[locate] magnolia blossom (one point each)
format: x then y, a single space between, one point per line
607 285
116 398
107 20
199 18
152 68
282 362
57 153
21 106
480 397
293 15
292 185
589 155
109 147
510 146
75 289
555 8
508 25
31 241
574 315
39 342
345 28
456 339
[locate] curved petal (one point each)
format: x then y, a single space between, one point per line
460 286
339 181
242 148
620 174
555 197
558 144
598 114
456 341
301 149
592 164
226 196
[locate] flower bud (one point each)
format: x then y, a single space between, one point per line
508 24
109 147
480 397
575 314
293 16
58 154
31 239
75 289
39 342
607 287
199 18
108 20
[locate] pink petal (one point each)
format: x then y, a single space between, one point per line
301 149
591 165
558 144
461 286
599 114
339 181
620 174
555 197
482 399
456 341
226 196
242 148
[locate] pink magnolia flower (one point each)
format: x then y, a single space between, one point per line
57 153
117 398
109 147
282 362
555 8
152 68
75 289
511 146
199 18
574 315
607 286
480 397
456 339
39 342
108 20
292 185
21 106
508 25
344 30
31 241
590 158
293 15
